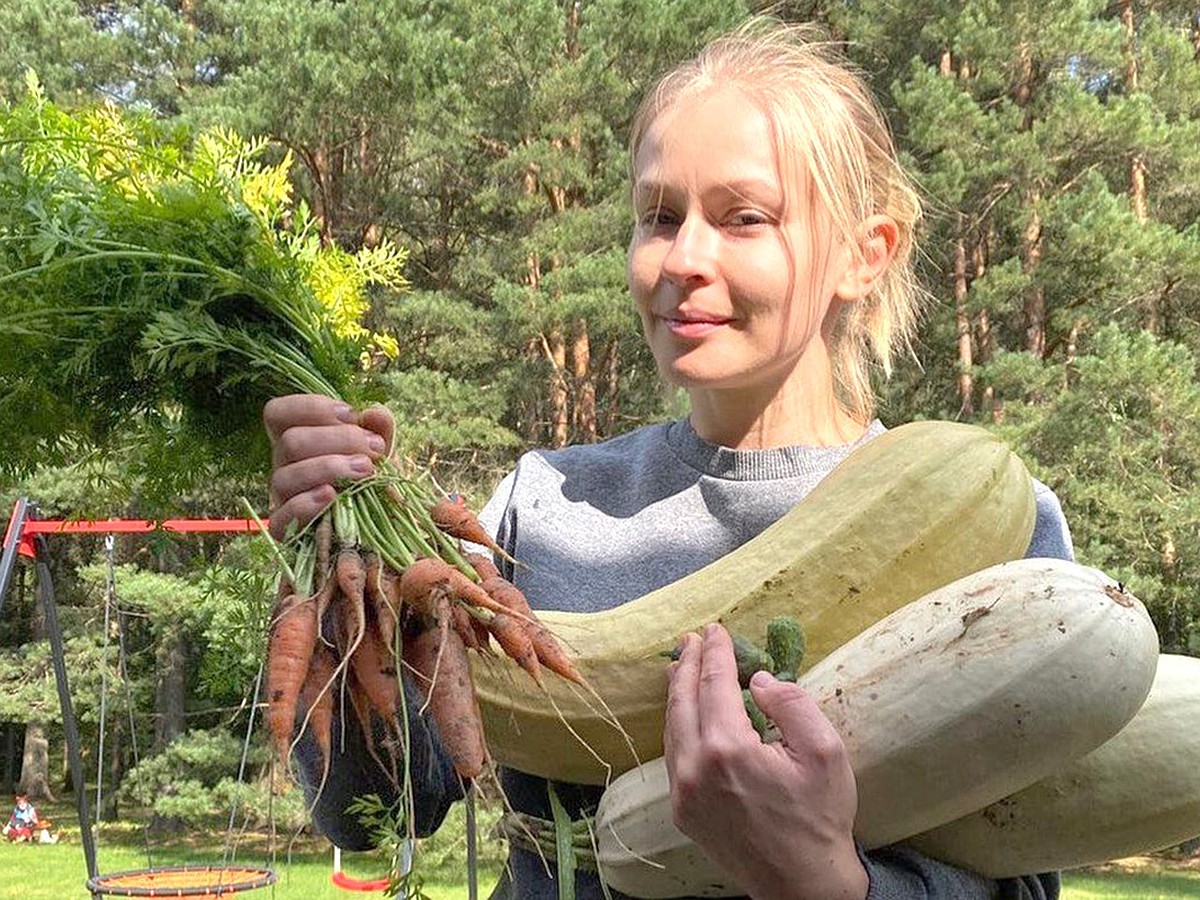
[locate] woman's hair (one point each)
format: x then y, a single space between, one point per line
829 128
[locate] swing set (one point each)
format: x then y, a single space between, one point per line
25 537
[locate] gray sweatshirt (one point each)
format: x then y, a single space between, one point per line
601 524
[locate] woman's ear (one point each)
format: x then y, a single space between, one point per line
878 237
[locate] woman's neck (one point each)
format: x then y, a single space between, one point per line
792 414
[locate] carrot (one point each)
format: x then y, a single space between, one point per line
429 579
352 579
387 606
316 698
439 658
289 652
508 595
464 624
453 517
323 541
514 640
325 596
551 654
375 673
483 566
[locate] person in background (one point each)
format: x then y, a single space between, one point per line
770 265
26 825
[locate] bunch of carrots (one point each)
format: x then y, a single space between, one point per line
152 285
364 613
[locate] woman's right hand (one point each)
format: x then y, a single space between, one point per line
316 442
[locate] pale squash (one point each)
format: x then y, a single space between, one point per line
913 509
1139 791
976 690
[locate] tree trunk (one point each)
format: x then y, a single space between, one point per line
35 758
35 764
1137 162
1034 312
1072 353
170 692
962 324
556 350
985 338
612 385
585 384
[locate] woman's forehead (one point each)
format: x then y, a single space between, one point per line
720 137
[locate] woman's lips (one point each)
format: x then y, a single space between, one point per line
693 327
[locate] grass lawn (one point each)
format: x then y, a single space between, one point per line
1143 878
58 872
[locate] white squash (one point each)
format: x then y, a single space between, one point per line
1139 791
962 697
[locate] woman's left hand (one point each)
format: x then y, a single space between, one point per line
776 817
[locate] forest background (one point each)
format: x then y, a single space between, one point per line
1057 144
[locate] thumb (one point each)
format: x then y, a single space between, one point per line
785 703
378 418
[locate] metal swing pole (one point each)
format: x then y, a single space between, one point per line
12 543
45 589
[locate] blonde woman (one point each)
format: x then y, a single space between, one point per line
770 266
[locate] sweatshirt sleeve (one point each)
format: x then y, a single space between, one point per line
898 873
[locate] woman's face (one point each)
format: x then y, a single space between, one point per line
731 271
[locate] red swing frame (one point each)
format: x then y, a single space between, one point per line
21 537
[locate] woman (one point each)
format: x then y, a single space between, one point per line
770 264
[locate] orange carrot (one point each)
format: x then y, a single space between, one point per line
545 645
387 606
375 673
453 517
439 658
483 566
551 654
508 595
463 623
289 652
514 640
323 539
429 579
316 698
352 579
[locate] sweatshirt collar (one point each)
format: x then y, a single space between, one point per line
797 461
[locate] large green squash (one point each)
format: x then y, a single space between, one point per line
916 508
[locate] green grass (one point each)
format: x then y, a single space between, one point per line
1161 884
58 872
35 872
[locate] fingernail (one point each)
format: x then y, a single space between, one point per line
376 443
711 629
345 413
361 465
762 679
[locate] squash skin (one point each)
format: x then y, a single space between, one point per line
913 509
1138 792
942 708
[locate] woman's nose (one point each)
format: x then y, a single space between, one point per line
693 252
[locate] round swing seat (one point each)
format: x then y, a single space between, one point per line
182 881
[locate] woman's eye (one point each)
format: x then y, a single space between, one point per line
657 218
746 218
